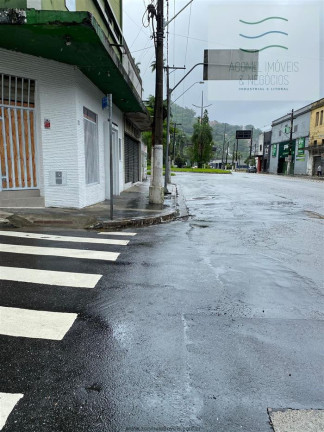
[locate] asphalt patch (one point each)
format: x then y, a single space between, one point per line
292 420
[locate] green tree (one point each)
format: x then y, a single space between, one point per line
202 141
148 136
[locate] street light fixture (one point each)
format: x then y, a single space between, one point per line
202 106
169 92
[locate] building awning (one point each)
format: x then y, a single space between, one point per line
74 38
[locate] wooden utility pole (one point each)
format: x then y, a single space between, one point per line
156 189
158 111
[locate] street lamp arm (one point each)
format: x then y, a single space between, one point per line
185 76
175 16
205 106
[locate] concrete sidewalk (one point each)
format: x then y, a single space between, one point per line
131 208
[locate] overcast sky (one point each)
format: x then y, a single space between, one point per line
207 24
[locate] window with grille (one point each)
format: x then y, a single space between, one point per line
17 91
91 147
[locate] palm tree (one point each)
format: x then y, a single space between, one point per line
153 64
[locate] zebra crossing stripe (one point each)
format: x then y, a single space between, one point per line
35 324
7 404
64 238
49 277
117 233
60 252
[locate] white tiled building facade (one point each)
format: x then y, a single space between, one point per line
62 95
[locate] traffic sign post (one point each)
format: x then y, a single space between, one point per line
107 104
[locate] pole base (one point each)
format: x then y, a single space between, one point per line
156 194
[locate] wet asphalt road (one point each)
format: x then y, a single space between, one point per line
200 325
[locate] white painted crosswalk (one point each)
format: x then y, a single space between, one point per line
59 252
49 277
7 404
35 324
64 238
39 324
117 233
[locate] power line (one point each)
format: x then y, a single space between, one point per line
186 52
142 49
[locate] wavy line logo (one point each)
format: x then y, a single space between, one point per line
261 35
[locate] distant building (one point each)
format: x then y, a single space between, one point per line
316 137
258 154
216 164
282 149
58 59
266 151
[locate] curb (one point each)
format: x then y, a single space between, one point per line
178 212
135 222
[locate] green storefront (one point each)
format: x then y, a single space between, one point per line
286 150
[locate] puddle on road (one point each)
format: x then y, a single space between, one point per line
202 198
201 224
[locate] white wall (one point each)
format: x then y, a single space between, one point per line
55 100
61 92
89 96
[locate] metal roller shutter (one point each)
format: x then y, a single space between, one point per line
131 160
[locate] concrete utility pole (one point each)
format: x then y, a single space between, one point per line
156 194
169 93
237 141
174 137
290 141
223 146
167 178
228 144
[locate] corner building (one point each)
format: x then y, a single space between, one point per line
316 137
58 59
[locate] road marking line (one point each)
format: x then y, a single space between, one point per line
49 277
7 404
61 252
117 233
35 324
64 238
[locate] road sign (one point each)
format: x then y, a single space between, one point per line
105 102
226 64
243 134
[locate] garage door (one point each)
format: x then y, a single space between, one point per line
132 160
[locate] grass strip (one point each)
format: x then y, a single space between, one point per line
201 170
